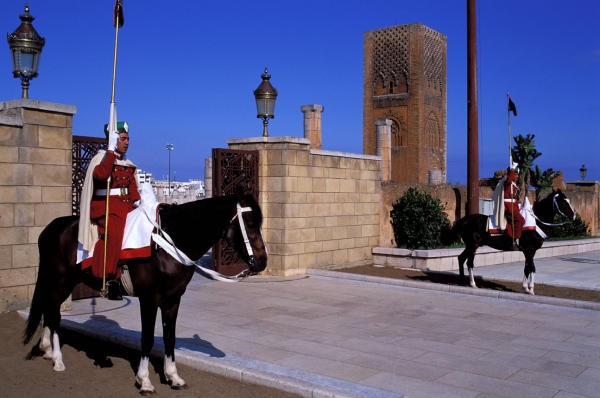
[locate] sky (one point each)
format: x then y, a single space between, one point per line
186 72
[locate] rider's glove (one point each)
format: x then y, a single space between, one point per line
113 138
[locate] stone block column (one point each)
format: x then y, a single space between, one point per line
312 124
384 147
35 188
208 178
320 208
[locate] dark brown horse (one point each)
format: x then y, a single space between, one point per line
473 229
158 281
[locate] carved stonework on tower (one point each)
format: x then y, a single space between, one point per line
405 82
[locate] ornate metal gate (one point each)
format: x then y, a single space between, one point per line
234 172
83 150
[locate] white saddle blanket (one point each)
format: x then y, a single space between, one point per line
530 224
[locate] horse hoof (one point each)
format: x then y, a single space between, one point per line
146 388
179 387
59 366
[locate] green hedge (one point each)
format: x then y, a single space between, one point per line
418 220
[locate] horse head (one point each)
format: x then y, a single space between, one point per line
245 235
562 205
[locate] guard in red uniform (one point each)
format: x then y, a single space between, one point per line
514 219
123 196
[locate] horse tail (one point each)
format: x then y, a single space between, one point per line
35 312
51 259
36 309
453 235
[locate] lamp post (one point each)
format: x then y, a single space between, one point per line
26 46
583 172
170 148
265 95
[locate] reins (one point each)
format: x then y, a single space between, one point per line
162 239
554 205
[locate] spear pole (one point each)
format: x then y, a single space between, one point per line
112 126
509 137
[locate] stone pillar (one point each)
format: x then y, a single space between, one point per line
312 124
35 188
384 147
208 176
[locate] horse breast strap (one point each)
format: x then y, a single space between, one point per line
167 244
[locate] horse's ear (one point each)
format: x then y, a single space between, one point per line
558 182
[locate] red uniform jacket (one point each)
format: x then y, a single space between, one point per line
123 193
120 177
514 219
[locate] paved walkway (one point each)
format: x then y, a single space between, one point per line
328 336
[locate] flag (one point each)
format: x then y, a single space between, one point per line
512 107
118 14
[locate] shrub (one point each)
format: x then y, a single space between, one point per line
418 220
573 229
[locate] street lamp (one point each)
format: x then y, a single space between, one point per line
583 171
265 95
170 148
26 46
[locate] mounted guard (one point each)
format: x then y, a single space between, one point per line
513 226
509 212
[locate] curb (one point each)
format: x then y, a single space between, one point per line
242 369
579 304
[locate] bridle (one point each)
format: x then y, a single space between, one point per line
162 239
556 207
238 215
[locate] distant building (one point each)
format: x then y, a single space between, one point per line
143 177
179 192
405 82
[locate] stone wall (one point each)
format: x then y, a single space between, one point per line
585 199
35 187
320 207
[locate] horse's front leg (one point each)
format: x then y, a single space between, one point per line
169 317
148 309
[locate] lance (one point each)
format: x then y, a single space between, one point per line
118 20
511 108
510 162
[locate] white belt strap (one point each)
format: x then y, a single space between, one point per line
113 191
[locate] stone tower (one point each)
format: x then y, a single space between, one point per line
405 82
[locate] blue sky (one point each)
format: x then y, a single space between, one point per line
186 72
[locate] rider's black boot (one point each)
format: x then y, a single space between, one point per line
113 288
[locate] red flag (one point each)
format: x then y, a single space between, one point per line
118 16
